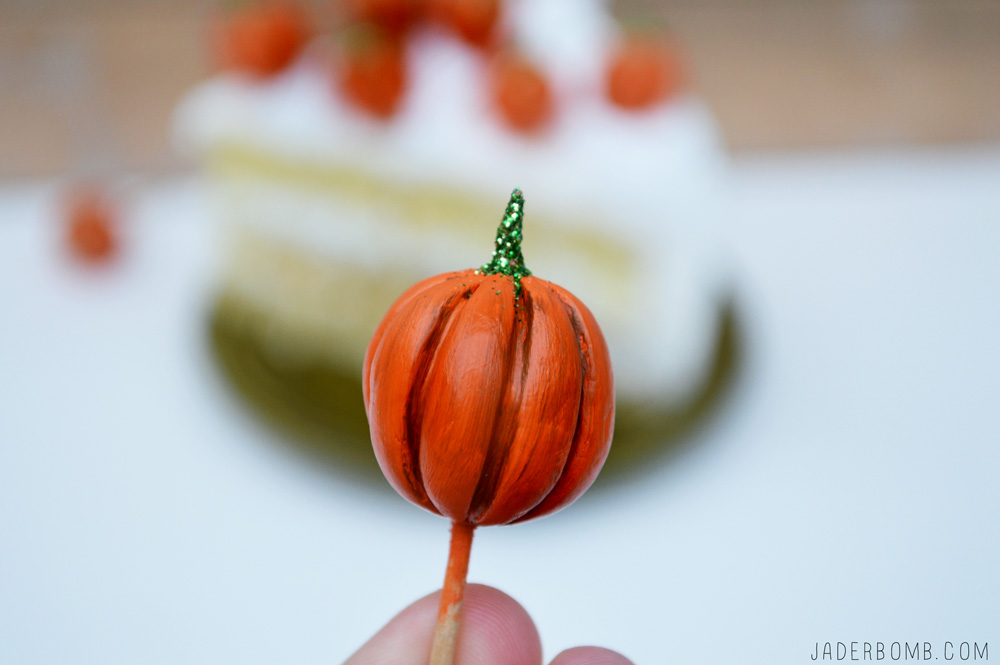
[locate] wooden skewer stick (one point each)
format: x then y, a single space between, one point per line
446 633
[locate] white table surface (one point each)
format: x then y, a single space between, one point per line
847 490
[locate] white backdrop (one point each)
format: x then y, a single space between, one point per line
846 491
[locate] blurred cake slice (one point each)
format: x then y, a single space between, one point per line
333 209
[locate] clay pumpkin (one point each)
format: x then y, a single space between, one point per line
372 72
262 39
92 230
394 16
489 392
490 400
475 21
521 93
641 73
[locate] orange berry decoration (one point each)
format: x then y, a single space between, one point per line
372 74
490 399
91 229
473 20
521 93
262 39
641 73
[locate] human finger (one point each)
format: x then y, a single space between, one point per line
590 656
495 630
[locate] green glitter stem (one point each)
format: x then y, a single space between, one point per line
507 257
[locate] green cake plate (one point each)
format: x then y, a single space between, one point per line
319 412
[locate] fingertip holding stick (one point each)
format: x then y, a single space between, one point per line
449 612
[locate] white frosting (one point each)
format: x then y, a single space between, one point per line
647 179
567 38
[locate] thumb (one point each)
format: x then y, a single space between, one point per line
495 630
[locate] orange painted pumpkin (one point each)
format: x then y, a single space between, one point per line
475 21
489 392
262 39
394 16
521 93
641 73
372 72
92 231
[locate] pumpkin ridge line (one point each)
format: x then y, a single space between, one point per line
414 416
373 403
530 315
484 495
586 366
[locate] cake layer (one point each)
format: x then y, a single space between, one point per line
333 213
327 251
